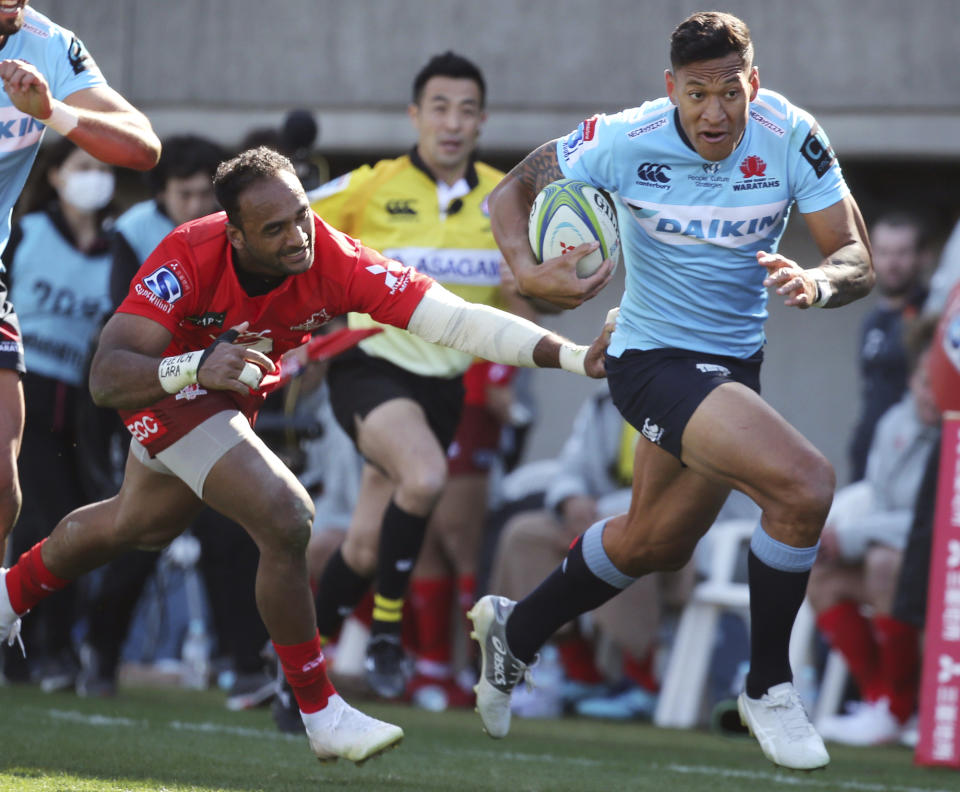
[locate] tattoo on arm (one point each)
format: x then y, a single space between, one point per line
538 168
850 273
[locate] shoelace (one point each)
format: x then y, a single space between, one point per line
794 717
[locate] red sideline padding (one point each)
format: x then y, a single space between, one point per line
940 684
320 347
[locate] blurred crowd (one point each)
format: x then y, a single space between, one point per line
187 615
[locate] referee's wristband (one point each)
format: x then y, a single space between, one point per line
178 371
824 288
573 358
63 119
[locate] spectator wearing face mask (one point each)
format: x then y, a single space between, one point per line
58 265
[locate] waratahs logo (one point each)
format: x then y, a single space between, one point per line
753 166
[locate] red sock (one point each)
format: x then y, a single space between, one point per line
849 632
576 656
306 671
29 580
466 592
899 653
640 670
431 599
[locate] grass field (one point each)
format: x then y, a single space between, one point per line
175 740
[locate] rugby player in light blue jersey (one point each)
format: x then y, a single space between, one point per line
703 181
49 80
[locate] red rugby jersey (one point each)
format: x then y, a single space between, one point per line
188 284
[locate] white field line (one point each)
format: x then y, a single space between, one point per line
510 756
210 728
795 780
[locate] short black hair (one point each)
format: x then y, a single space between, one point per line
707 35
183 156
449 64
237 174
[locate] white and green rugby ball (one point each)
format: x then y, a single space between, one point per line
567 213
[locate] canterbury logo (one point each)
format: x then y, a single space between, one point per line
653 173
401 207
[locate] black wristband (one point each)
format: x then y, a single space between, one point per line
224 338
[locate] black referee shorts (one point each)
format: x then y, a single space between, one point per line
360 382
657 390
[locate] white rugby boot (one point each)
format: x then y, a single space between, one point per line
500 671
9 620
340 730
781 725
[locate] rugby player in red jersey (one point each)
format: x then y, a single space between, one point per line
186 360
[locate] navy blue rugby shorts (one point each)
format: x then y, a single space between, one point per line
11 342
657 390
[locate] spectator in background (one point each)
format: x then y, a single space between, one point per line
860 556
58 270
897 239
295 138
182 188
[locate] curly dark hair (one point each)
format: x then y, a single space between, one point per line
237 174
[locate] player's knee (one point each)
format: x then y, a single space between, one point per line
807 500
422 484
292 524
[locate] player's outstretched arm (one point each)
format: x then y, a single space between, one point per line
846 272
443 318
97 119
129 369
555 280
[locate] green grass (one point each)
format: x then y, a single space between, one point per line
174 740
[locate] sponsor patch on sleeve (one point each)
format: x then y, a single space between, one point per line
583 138
169 282
817 152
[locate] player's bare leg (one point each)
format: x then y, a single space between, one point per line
11 435
250 485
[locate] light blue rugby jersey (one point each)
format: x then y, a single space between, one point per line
691 228
63 60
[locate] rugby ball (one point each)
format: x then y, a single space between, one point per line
567 213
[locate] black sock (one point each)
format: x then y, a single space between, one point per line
571 589
401 537
338 592
775 599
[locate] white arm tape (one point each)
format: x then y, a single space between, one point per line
479 330
63 119
178 371
824 288
573 358
250 375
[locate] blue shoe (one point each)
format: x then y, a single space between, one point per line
632 704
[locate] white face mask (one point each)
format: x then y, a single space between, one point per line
88 190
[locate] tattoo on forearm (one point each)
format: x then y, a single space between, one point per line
539 168
850 274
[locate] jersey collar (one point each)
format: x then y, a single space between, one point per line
471 174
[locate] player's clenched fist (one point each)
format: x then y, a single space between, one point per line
26 87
